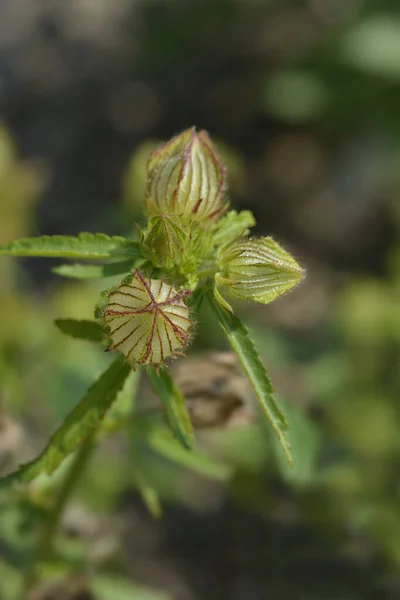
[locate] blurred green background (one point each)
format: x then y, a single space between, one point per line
303 101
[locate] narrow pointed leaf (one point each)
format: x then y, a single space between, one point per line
306 445
84 246
174 402
79 425
83 330
124 406
147 492
160 440
243 346
79 271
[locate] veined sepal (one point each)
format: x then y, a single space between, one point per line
186 178
256 269
165 242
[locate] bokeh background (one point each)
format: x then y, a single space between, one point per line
303 100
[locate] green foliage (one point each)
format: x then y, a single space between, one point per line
147 492
78 271
337 374
83 330
160 440
10 578
243 346
174 403
80 424
233 225
150 316
85 246
305 442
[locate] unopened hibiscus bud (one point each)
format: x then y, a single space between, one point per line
165 242
256 269
186 178
148 320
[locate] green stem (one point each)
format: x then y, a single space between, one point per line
207 272
51 526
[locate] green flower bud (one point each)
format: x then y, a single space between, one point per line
165 242
186 178
256 269
148 320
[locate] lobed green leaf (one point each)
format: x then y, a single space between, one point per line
82 330
79 271
232 225
174 402
84 246
242 344
79 425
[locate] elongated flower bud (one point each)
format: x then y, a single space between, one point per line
147 319
186 178
256 269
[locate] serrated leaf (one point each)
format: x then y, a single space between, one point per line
83 330
79 425
160 440
84 246
79 271
232 225
124 405
238 337
305 441
174 402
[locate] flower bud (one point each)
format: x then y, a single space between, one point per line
186 178
148 320
166 241
256 269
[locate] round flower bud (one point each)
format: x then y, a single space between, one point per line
186 178
256 269
147 319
